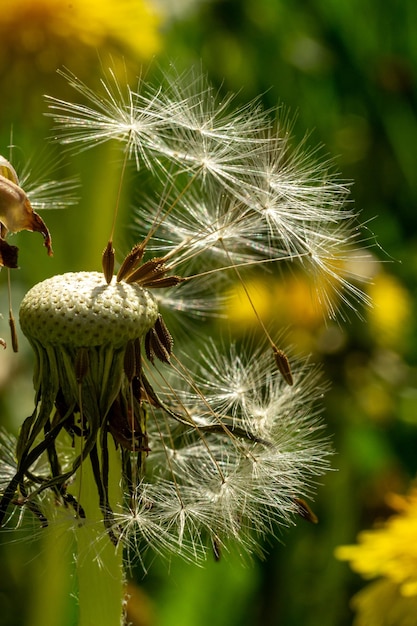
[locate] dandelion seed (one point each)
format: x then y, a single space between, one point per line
116 114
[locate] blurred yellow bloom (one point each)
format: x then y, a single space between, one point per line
287 302
390 316
240 310
381 604
297 297
28 27
38 37
387 552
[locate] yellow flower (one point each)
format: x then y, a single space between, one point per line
391 312
28 27
381 604
387 552
240 310
39 37
289 301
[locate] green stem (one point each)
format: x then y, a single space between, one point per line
99 564
52 587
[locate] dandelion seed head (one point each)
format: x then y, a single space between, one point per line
80 310
217 441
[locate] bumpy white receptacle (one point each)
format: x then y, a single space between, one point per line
81 310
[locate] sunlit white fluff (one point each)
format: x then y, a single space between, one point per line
224 444
203 488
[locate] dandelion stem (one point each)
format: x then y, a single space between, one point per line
99 563
51 600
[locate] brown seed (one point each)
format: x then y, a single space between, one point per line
216 549
305 512
283 365
164 335
107 261
149 351
155 348
131 261
155 268
165 281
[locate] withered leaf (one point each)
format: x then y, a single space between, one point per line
7 170
16 212
8 255
129 362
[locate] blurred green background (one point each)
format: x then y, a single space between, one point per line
346 70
